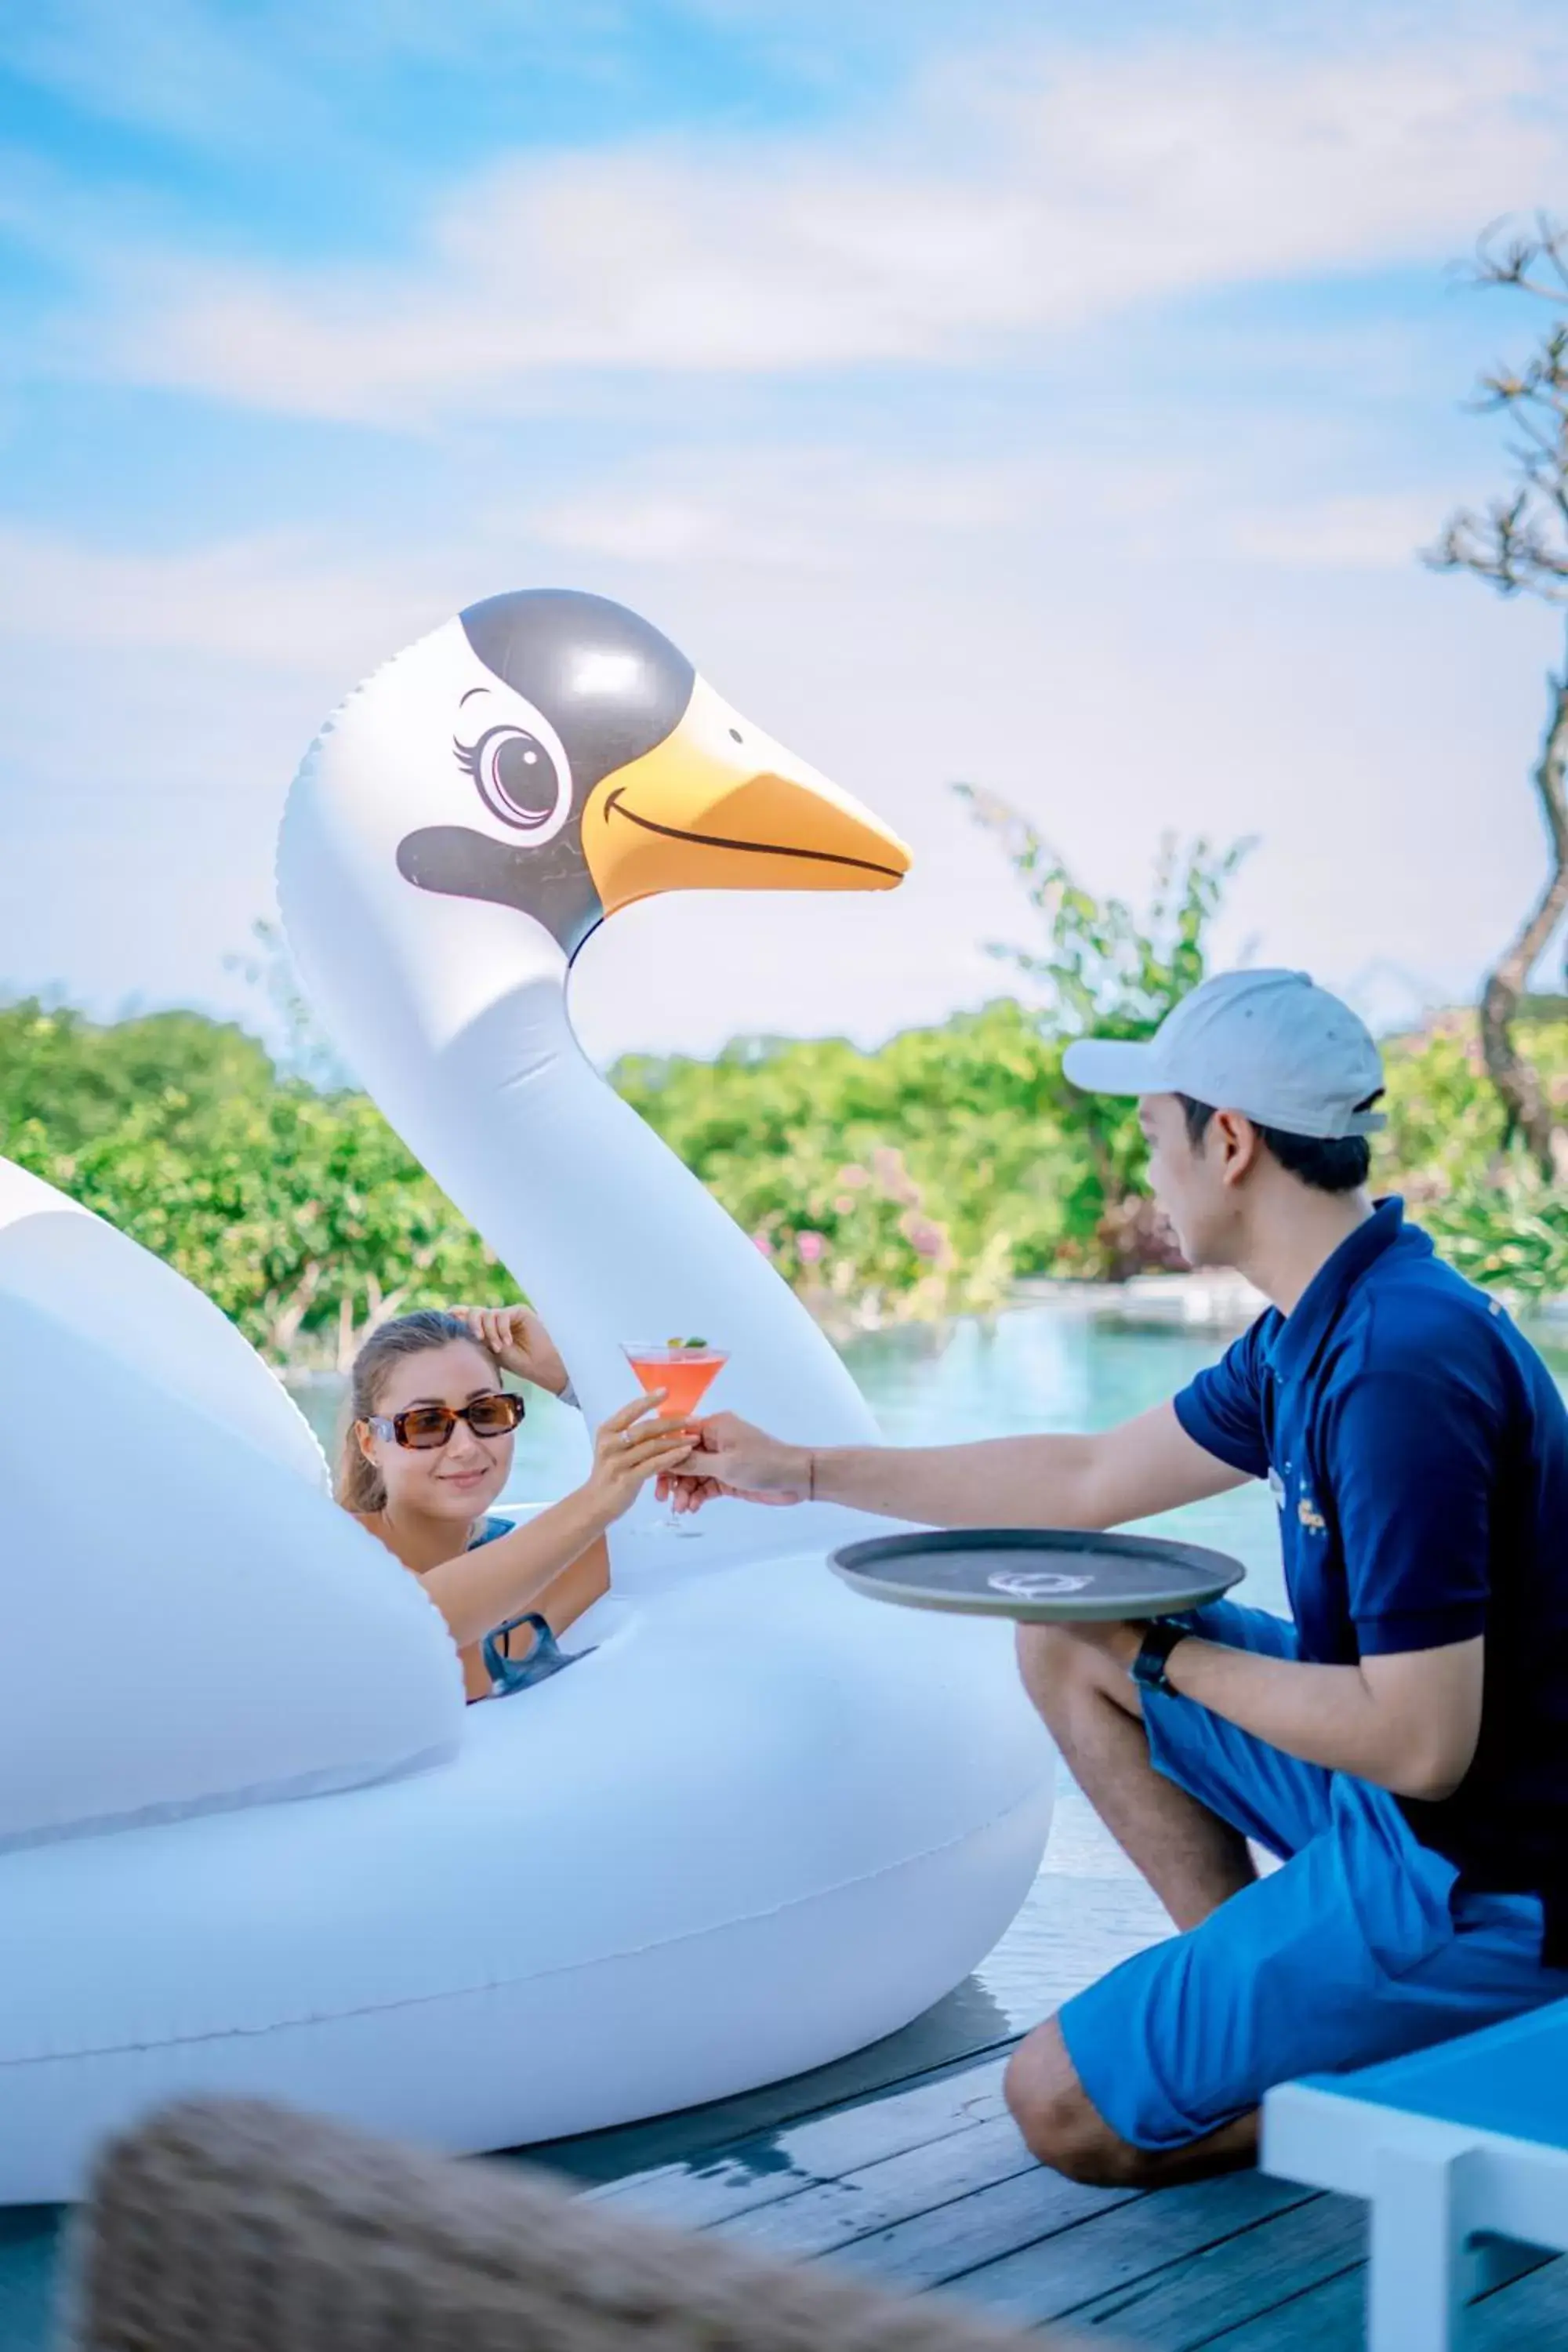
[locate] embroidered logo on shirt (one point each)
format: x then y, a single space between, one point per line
1310 1516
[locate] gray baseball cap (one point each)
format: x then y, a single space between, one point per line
1269 1043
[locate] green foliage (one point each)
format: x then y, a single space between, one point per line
1513 1236
919 1181
1100 966
65 1074
1483 1200
301 1213
915 1181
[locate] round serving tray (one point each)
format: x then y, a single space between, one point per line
1038 1575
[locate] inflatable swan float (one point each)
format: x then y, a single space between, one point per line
250 1838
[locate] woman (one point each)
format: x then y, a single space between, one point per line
427 1448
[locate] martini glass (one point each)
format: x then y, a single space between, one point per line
686 1370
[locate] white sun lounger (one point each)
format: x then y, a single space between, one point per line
1455 2148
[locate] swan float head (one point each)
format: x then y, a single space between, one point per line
603 770
550 753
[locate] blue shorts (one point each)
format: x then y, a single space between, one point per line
1361 1947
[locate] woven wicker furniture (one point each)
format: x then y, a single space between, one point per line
236 2226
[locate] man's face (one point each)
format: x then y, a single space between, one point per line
1187 1180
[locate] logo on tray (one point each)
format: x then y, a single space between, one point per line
1036 1584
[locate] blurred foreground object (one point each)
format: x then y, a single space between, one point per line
236 2226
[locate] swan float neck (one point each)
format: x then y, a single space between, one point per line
454 835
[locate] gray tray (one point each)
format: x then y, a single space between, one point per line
1038 1575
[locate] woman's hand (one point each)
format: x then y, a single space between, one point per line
519 1343
629 1449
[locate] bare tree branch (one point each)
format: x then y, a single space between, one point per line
1519 547
1530 1112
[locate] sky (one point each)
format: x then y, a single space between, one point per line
1041 395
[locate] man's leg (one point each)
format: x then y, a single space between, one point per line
1062 2127
1358 1949
1153 2074
1191 1859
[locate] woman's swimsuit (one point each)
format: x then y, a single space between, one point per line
486 1530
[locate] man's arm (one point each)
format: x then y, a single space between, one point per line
1147 1465
1410 1458
1409 1721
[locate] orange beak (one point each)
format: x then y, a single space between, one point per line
717 805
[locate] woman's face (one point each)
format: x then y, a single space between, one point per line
461 1479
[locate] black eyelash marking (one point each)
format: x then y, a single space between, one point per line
467 757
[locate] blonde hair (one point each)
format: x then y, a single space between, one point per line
358 1485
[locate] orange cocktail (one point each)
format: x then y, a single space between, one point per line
685 1369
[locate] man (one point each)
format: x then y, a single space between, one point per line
1402 1746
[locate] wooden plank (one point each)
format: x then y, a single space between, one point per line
954 2240
817 2220
1532 2310
1046 2281
1327 2318
1189 2303
747 2173
966 2025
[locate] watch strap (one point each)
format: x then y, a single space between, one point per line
1148 1667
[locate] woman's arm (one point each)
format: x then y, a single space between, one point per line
480 1589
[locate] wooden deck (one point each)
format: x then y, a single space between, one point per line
900 2163
925 2186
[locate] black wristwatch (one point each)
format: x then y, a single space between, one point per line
1149 1666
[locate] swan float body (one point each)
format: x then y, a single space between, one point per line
250 1839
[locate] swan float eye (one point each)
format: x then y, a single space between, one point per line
521 780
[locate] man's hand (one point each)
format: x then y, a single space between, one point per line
733 1458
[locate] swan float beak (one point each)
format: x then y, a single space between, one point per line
719 805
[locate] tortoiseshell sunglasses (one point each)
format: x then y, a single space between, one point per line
422 1426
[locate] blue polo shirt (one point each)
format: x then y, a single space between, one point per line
1418 1450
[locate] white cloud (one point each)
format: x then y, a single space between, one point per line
1368 532
1009 198
309 605
278 602
807 509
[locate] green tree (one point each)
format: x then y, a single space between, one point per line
1100 966
301 1213
77 1079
